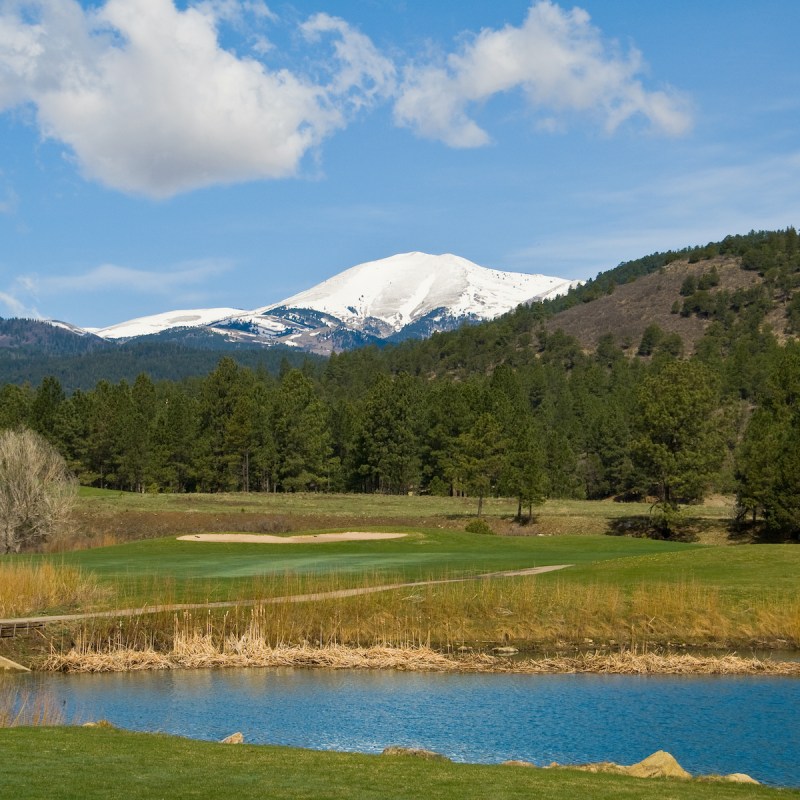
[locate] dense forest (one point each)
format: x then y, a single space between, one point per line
500 408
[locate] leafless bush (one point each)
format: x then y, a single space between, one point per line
37 491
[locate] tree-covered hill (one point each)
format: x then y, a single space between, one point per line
38 350
702 298
30 337
515 406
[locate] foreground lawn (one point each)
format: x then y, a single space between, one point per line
105 764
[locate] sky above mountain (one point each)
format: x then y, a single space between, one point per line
162 154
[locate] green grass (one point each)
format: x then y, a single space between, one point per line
68 763
741 571
619 591
142 572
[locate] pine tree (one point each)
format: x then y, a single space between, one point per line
679 446
302 435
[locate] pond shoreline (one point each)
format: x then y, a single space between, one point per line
200 652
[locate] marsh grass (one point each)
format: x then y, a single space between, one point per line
28 588
197 650
535 615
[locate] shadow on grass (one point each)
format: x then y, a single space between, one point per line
644 526
742 531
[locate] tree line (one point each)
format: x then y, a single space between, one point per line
566 424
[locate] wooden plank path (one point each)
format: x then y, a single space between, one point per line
20 623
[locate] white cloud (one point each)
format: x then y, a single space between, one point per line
362 68
112 276
557 59
14 307
182 283
150 102
150 98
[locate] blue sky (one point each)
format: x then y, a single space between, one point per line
163 154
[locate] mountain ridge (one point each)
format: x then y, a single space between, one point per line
408 295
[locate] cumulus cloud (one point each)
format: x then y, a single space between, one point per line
557 59
362 67
154 97
150 102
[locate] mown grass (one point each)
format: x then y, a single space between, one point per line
109 764
168 570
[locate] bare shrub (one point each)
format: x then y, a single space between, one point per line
37 491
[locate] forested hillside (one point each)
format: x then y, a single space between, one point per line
162 358
514 407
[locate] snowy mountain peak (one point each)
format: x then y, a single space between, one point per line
405 295
403 288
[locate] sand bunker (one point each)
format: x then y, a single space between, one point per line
265 538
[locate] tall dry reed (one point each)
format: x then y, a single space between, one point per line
27 588
530 614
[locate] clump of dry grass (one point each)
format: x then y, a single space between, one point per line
197 650
249 639
20 708
27 588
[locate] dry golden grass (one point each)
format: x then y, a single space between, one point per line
416 628
27 589
200 651
529 614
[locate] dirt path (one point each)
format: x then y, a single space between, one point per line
295 598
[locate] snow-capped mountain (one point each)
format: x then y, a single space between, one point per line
410 295
143 326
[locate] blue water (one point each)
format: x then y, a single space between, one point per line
710 724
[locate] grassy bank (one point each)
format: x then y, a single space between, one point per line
543 614
619 593
107 764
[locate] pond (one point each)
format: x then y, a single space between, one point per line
710 724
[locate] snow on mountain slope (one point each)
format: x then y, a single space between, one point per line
409 295
403 288
142 326
68 326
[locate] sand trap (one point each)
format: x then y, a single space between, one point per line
265 538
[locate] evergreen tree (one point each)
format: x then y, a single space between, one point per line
387 441
302 435
679 446
477 460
